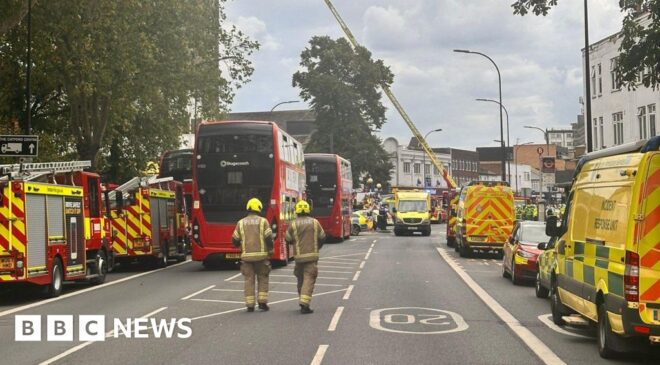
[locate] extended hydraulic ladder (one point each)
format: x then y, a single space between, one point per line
437 163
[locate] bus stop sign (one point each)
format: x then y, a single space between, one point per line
19 146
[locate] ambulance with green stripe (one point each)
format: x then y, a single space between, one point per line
607 256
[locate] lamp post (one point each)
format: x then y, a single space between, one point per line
283 102
424 163
515 156
508 145
499 78
587 78
547 152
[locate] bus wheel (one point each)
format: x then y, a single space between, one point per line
56 278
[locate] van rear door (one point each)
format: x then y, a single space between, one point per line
648 231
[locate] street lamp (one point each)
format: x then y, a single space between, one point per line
508 145
283 102
499 78
515 156
424 161
547 152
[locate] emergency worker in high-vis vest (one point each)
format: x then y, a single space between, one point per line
255 239
307 236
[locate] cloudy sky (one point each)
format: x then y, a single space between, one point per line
539 58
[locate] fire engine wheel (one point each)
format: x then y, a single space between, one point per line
56 279
164 250
101 267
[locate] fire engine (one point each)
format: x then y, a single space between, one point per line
52 225
146 221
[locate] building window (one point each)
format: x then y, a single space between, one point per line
651 111
593 82
641 119
526 176
595 134
600 80
617 122
435 171
569 135
616 82
602 139
406 167
416 168
427 169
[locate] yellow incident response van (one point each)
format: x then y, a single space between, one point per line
411 209
485 217
607 266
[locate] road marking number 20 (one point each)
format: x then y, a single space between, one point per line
416 320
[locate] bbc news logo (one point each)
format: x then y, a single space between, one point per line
93 328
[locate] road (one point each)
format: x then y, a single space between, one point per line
379 299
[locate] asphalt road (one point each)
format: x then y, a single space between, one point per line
379 299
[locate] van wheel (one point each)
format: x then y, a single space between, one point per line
557 308
541 291
56 279
464 251
606 338
451 241
505 274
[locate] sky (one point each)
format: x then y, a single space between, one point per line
539 59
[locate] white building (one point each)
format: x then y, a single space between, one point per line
524 177
561 137
618 115
410 166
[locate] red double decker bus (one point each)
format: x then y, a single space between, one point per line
233 162
178 165
329 191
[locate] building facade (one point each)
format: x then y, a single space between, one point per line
619 115
561 137
464 164
412 168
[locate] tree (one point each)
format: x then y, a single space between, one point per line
639 50
342 86
124 72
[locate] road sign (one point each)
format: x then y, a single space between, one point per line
19 146
539 150
548 165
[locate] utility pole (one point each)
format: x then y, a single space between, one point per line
587 77
28 102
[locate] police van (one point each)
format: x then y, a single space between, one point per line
607 268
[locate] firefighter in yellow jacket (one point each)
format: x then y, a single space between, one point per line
307 236
253 235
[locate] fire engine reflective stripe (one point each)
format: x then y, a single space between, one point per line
12 229
649 244
156 193
145 204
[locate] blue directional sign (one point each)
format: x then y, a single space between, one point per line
19 146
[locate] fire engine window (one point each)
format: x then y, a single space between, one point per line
93 191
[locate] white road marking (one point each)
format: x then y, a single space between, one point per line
97 287
271 303
362 264
376 322
348 292
374 241
85 344
335 319
321 266
233 277
350 254
218 301
198 292
366 257
337 272
286 283
537 346
347 265
353 239
357 275
340 259
237 290
319 355
545 319
318 277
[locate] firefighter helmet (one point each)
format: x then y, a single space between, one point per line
254 205
302 207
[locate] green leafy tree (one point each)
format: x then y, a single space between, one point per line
640 45
121 74
342 86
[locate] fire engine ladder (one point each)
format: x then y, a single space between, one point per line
135 183
33 170
437 163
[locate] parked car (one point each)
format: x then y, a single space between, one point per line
521 252
545 264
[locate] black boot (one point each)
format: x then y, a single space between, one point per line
263 307
305 309
250 309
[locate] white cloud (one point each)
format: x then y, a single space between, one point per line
539 58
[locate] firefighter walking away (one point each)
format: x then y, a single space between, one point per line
255 239
307 237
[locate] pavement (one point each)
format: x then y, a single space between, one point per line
379 299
